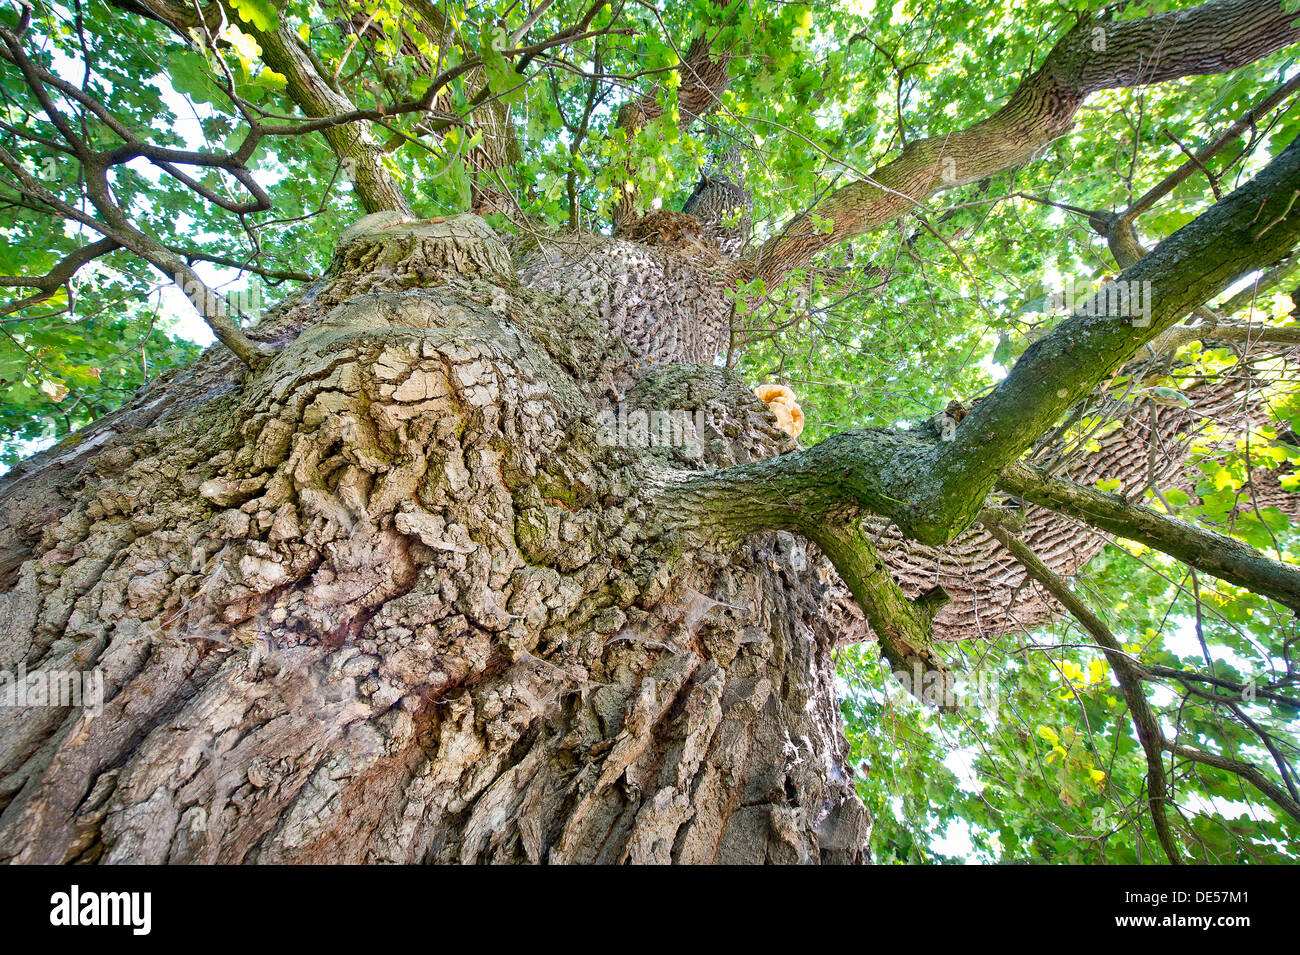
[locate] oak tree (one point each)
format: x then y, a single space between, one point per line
478 544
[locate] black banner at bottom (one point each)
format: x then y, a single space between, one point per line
340 905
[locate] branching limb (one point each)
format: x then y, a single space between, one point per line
58 276
933 488
1126 671
117 227
1246 771
1206 550
375 185
1188 677
1060 369
1214 37
244 265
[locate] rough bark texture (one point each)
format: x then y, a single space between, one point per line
661 287
390 598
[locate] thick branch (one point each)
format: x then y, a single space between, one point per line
902 626
363 157
1206 550
803 498
1254 227
1214 37
1196 163
931 488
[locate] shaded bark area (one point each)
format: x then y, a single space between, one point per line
390 598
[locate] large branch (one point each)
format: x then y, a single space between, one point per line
1206 550
353 143
1216 331
729 505
933 488
112 222
1214 37
1255 227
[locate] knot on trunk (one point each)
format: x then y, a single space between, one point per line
421 251
668 304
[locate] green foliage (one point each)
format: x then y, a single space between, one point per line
1043 765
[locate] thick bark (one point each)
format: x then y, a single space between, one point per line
390 598
665 294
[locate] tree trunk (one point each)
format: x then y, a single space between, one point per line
395 597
